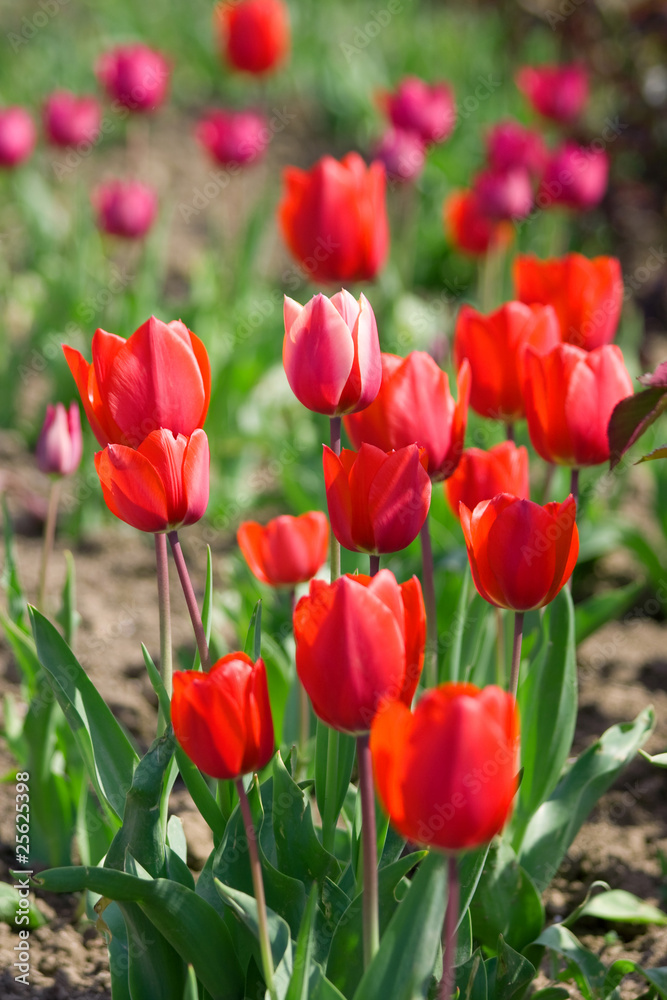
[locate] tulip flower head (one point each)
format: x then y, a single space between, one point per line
403 154
359 640
494 346
160 377
570 395
331 353
222 718
510 145
414 406
60 444
234 137
253 35
135 76
424 762
574 176
586 294
17 136
427 109
504 194
160 486
377 501
70 120
124 208
520 554
482 474
286 551
468 228
556 92
333 218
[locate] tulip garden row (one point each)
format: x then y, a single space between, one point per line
388 780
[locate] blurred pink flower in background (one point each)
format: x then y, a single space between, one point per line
427 109
556 92
60 443
17 136
403 154
510 145
468 228
69 119
134 75
504 194
575 176
124 208
234 136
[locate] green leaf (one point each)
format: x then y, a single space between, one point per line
304 958
586 968
68 617
186 920
556 823
156 683
244 908
471 978
402 968
16 602
548 709
24 652
253 642
103 745
617 904
658 759
506 902
345 965
9 901
346 747
207 608
509 974
452 660
155 968
551 993
201 794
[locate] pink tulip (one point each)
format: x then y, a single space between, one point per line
70 120
575 176
557 92
135 76
234 136
504 194
125 208
426 109
510 145
17 136
60 443
331 353
403 154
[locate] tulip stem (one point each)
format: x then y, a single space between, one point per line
258 887
374 565
334 439
430 660
370 905
574 487
190 600
449 929
329 819
500 648
164 612
509 431
49 536
516 652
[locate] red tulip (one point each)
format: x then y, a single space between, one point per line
575 176
469 230
504 194
286 551
510 145
377 501
403 154
333 218
446 773
494 347
158 378
557 92
359 640
570 395
427 109
234 136
69 120
483 474
222 719
159 486
331 353
253 35
520 554
135 76
17 136
586 294
60 444
414 406
124 208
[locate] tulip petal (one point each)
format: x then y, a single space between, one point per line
249 537
195 477
342 514
415 637
132 488
566 542
521 554
318 355
399 496
390 737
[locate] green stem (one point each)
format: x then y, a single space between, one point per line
49 536
334 436
258 888
330 819
516 652
449 929
428 583
190 600
370 905
164 612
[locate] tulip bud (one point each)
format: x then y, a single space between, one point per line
70 120
481 475
253 35
124 208
428 110
467 226
402 153
17 136
504 194
286 551
60 443
233 137
557 92
222 719
135 76
510 145
575 176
